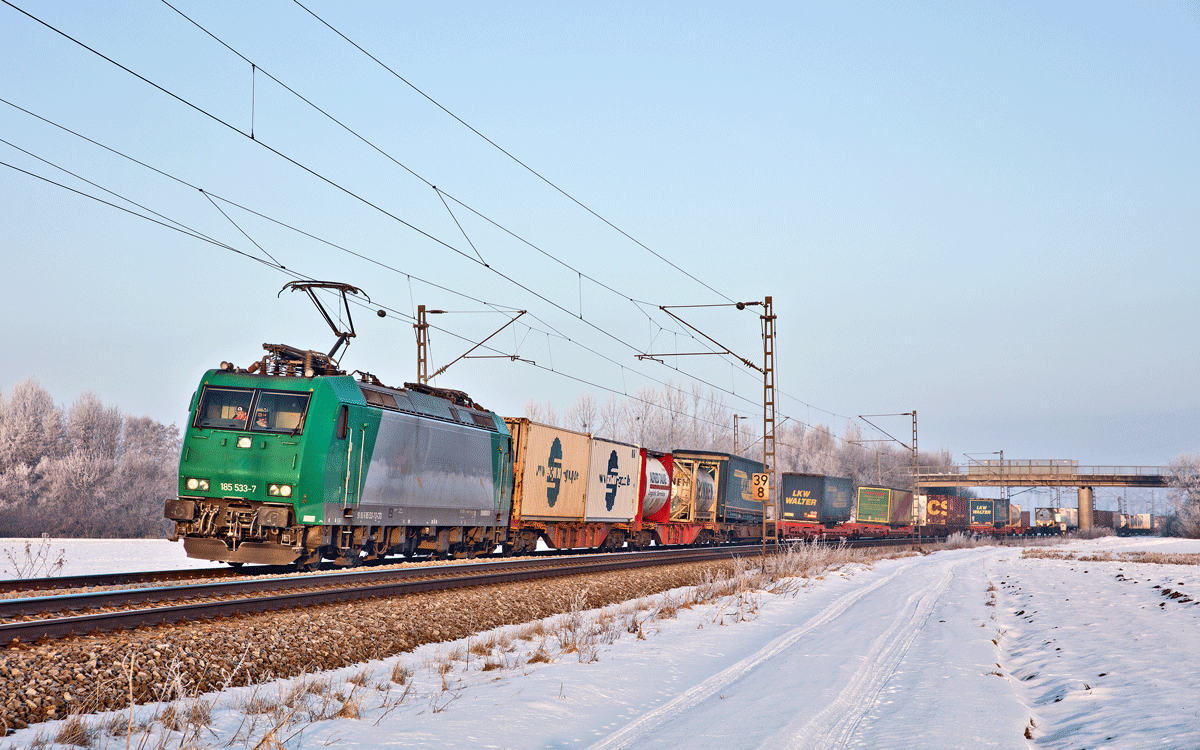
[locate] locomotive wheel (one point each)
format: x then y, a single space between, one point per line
308 565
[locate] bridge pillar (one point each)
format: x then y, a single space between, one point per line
1085 508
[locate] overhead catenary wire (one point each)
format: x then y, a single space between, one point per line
185 229
275 264
442 194
319 176
508 154
169 224
311 171
177 226
239 228
458 224
348 192
210 195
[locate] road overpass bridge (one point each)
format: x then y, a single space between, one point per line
1042 473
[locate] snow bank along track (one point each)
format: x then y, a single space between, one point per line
226 597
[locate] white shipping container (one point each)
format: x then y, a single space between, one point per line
612 485
1139 521
552 470
1069 517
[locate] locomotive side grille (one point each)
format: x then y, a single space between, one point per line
483 420
377 398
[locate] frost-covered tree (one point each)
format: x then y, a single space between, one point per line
541 413
31 428
92 428
677 418
613 421
582 415
94 473
645 419
1185 492
676 421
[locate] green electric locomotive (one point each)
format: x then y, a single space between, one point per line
292 461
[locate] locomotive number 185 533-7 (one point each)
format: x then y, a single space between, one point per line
229 487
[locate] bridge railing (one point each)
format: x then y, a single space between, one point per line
1039 468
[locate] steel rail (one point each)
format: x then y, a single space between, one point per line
114 579
96 580
358 576
425 579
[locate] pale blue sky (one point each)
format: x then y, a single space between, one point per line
985 212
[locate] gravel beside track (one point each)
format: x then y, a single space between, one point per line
41 682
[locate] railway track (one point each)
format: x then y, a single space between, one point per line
132 608
105 580
58 583
30 618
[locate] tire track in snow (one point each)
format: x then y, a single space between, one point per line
705 690
834 725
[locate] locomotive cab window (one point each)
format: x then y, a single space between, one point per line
343 414
224 408
279 412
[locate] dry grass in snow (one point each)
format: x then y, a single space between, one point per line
276 715
1155 558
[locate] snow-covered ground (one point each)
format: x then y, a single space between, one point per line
83 557
965 648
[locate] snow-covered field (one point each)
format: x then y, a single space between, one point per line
966 648
90 556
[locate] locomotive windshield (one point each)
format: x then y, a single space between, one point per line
231 409
224 408
279 412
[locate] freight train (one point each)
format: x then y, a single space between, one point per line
291 461
821 507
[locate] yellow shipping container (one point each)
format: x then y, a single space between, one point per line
551 468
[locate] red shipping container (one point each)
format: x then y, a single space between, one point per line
937 510
901 511
956 514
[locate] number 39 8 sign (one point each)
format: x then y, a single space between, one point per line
762 488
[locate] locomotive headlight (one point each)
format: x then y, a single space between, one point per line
193 484
273 490
286 490
244 441
204 484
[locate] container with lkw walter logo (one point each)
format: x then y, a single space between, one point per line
551 468
802 494
815 498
